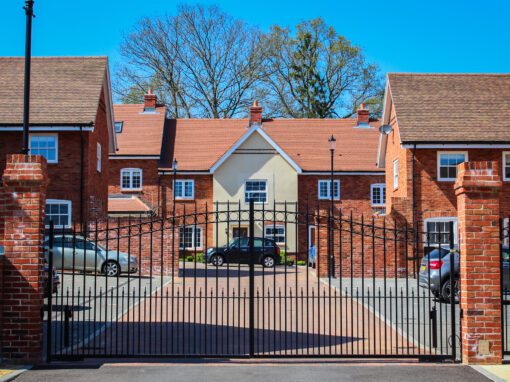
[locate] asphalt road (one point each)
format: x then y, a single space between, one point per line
295 371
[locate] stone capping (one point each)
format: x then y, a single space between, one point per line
479 177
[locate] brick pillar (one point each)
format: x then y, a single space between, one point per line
478 189
25 181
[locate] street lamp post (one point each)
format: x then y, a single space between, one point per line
29 12
331 271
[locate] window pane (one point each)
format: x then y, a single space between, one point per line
188 189
178 189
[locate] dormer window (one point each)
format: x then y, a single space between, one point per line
118 126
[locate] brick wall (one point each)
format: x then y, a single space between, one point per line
477 188
151 241
354 197
23 200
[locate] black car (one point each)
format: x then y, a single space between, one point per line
55 280
267 252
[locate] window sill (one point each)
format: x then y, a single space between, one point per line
184 199
131 189
446 180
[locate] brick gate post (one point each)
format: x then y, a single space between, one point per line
24 182
478 189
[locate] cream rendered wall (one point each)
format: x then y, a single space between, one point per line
256 159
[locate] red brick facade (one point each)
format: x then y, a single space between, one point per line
65 176
22 199
150 192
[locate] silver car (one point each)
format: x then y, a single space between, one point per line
435 272
75 253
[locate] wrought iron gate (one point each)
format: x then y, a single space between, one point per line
185 287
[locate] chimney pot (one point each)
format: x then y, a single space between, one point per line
363 116
150 101
255 114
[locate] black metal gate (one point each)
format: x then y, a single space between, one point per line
231 281
505 284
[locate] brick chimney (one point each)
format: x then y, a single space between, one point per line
255 114
149 99
363 116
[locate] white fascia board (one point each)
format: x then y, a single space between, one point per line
48 128
170 172
383 138
344 173
243 139
109 111
456 146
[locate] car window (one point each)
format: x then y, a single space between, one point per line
61 242
506 254
257 243
244 242
269 243
82 244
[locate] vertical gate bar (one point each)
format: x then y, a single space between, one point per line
140 283
151 253
501 270
106 289
440 241
128 336
395 264
285 279
183 226
205 274
406 243
384 232
296 251
351 292
452 291
117 299
416 256
195 230
252 278
274 281
318 266
261 322
331 268
307 230
239 285
162 268
340 255
228 277
49 331
363 283
373 287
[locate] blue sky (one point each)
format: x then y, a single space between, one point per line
406 36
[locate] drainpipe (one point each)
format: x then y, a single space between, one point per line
416 254
82 170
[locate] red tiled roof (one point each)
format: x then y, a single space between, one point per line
142 133
198 144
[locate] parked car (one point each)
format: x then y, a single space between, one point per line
75 253
435 272
55 279
267 252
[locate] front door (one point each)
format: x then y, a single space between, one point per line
239 232
312 249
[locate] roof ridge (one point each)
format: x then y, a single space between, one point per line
447 74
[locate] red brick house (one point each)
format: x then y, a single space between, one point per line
432 122
71 124
220 162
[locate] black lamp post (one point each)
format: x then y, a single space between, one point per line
331 271
29 12
174 166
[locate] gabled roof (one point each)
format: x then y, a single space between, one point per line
198 144
142 133
450 107
63 91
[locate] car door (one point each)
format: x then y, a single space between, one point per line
243 251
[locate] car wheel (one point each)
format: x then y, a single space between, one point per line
111 269
446 290
217 260
268 262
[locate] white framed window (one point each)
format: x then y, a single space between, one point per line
447 162
60 211
275 232
395 174
45 145
190 237
378 194
256 190
506 165
437 231
99 164
184 189
131 179
118 126
324 189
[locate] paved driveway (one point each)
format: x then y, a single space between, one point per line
406 307
206 312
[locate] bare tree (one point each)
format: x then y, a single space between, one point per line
317 73
201 62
